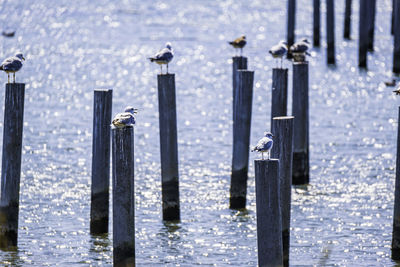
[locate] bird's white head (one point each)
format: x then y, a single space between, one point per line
131 110
268 134
244 37
168 45
20 56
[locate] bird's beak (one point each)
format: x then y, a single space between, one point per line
23 58
135 111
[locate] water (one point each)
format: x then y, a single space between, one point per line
343 218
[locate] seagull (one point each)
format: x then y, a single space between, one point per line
299 50
264 145
12 65
126 118
239 43
164 56
397 91
279 50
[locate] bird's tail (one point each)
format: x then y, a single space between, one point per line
253 149
151 59
308 54
1 68
231 43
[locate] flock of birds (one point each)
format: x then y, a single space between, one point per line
163 57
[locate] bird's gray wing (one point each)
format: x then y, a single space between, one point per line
12 64
164 55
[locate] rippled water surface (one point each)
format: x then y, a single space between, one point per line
343 218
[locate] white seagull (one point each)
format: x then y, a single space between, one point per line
299 50
126 118
164 56
264 145
279 50
12 65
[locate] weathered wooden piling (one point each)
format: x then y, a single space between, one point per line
269 225
330 29
241 139
123 196
347 20
282 129
396 50
11 163
392 22
371 24
238 63
291 22
279 92
102 107
316 23
363 34
168 147
301 124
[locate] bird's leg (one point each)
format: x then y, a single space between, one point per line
241 50
262 155
14 76
167 68
281 62
161 69
8 75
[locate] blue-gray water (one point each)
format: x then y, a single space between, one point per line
72 47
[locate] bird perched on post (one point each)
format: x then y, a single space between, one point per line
299 50
164 56
12 65
239 43
279 50
126 118
264 145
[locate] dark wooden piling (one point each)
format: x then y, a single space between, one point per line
363 34
396 50
396 211
123 196
316 23
330 29
282 129
301 124
100 161
291 22
279 92
347 20
11 163
371 24
241 139
168 147
269 225
238 63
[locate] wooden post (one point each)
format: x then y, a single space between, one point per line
316 23
123 196
363 35
168 147
11 163
301 126
241 139
238 63
396 50
282 129
100 161
269 225
279 93
371 24
396 215
347 20
291 22
330 29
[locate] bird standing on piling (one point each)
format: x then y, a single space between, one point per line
12 65
264 145
126 118
299 50
164 56
239 43
279 50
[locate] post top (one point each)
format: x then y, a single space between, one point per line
300 62
244 71
281 69
121 128
102 90
166 75
18 84
266 160
283 118
238 57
